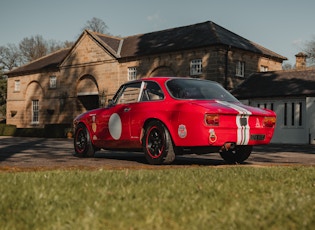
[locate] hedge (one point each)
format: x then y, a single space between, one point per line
51 131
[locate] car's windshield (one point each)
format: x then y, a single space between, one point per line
198 89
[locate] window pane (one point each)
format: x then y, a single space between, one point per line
300 114
128 94
17 85
132 73
240 69
285 114
292 114
35 111
53 82
196 67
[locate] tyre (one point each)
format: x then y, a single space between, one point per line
83 146
157 144
237 155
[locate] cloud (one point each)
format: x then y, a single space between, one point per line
154 17
157 22
297 42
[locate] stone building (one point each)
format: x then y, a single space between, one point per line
57 87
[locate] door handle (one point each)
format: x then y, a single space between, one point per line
126 109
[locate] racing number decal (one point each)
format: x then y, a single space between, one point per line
115 126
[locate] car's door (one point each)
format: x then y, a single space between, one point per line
150 94
116 119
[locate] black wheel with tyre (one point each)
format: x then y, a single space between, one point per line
82 143
157 144
237 155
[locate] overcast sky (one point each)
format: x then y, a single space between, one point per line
281 26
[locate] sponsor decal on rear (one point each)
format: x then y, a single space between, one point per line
182 131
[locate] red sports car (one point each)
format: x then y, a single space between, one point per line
166 116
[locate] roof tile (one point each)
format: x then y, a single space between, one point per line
277 84
176 39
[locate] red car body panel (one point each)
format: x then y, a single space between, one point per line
120 126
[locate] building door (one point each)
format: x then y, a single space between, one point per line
89 101
87 92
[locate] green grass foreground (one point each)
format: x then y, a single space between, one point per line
236 197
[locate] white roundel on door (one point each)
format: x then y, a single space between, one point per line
115 126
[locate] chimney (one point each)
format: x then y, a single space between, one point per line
300 62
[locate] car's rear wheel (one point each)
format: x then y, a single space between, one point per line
82 143
237 155
157 144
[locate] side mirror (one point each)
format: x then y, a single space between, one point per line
110 102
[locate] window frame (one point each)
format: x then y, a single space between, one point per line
240 69
293 114
196 67
132 73
264 68
17 86
35 112
52 82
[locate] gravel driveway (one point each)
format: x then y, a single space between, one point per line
20 154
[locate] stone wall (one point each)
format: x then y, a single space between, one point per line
91 71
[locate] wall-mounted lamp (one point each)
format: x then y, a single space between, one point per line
50 111
62 99
102 99
13 113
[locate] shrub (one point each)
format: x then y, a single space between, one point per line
7 130
49 131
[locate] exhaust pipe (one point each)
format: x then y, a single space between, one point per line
228 146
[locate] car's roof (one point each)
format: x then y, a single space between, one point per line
165 78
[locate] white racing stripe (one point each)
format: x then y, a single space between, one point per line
243 133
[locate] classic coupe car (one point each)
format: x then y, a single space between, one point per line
166 116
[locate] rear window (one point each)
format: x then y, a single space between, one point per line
198 89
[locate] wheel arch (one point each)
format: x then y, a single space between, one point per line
167 126
88 128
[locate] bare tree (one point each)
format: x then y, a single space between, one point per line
10 57
286 66
36 46
53 45
310 50
96 25
33 48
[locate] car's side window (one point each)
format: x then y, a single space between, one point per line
129 94
152 92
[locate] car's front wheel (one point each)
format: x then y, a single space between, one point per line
83 146
237 155
157 144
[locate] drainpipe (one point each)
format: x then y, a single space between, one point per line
226 67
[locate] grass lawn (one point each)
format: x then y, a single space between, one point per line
236 197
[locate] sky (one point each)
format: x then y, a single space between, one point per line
281 26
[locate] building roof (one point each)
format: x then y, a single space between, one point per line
50 61
199 35
291 83
110 43
189 37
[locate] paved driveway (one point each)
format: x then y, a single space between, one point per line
19 153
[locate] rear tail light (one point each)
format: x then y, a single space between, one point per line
212 119
269 121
